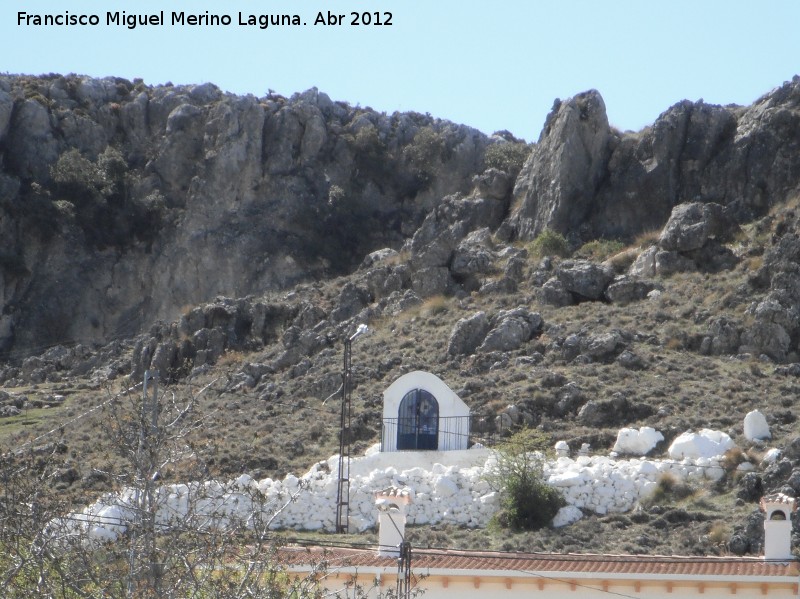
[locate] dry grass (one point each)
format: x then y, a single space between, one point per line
646 239
434 306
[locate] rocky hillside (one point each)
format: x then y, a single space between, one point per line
670 301
122 204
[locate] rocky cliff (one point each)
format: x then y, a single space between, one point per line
122 204
586 178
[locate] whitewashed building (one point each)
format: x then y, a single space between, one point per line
420 412
451 574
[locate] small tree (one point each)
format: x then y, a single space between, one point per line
527 501
139 547
425 154
508 156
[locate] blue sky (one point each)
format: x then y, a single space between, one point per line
492 65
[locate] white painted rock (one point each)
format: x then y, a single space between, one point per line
562 449
633 442
772 456
705 444
756 427
567 515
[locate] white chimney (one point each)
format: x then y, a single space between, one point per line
392 504
778 510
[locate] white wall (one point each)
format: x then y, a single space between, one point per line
552 585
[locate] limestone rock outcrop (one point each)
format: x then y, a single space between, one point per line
691 240
207 194
587 179
557 185
122 204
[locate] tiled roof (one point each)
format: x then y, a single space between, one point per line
778 498
575 564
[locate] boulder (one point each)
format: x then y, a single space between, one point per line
704 444
380 257
352 300
725 337
691 225
645 264
713 257
637 442
750 537
585 280
751 487
601 347
567 515
434 280
473 256
756 427
776 474
570 399
165 360
776 309
468 334
671 262
492 183
768 338
630 360
385 280
512 329
596 413
627 289
555 294
450 222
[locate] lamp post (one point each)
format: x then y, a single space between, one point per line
343 486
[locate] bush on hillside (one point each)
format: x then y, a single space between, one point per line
549 243
426 152
527 501
599 249
507 156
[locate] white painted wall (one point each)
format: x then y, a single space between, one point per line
554 585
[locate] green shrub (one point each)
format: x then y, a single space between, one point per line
98 196
78 178
549 243
599 249
527 502
507 156
425 152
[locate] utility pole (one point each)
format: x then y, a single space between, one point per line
404 571
345 421
144 525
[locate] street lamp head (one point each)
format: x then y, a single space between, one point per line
362 328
